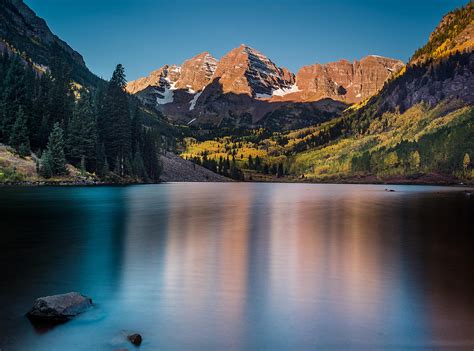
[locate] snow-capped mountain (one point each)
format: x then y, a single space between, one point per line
188 79
245 85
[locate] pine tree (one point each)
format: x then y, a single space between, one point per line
150 156
61 97
82 133
258 164
55 149
40 125
280 171
266 169
13 96
83 165
137 130
19 134
45 165
116 123
139 166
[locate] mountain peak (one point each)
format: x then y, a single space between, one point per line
245 70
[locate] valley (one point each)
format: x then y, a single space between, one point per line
242 116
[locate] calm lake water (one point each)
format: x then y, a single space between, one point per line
241 266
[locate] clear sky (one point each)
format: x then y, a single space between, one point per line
146 34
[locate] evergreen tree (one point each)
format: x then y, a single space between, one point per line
116 123
150 157
258 164
83 165
13 96
251 166
55 149
46 164
266 169
39 125
280 171
139 166
137 130
82 133
19 134
61 97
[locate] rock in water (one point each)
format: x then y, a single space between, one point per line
135 339
59 308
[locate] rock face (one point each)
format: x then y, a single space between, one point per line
197 72
244 86
345 81
22 30
59 308
247 71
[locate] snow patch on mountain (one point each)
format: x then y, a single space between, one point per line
285 91
167 96
194 100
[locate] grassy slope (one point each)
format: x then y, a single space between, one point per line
418 142
22 170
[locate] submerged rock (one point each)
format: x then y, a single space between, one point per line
59 308
135 339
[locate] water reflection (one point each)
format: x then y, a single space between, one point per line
243 266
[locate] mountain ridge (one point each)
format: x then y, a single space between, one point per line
23 31
246 85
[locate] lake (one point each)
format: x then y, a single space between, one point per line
241 266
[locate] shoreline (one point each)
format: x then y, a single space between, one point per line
276 181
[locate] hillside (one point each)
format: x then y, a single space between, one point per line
175 169
22 31
454 33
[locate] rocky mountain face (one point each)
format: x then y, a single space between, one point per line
21 30
247 71
246 88
346 81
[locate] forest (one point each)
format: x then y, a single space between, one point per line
99 129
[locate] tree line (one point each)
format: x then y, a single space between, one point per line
97 129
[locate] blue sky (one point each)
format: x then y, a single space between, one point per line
146 34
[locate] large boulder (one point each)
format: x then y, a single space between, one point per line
59 308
